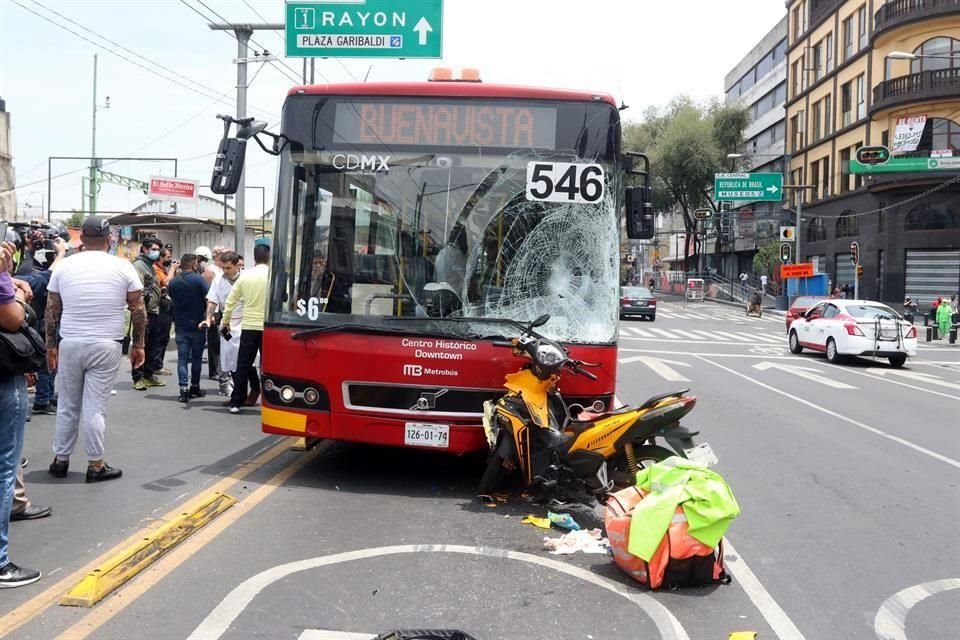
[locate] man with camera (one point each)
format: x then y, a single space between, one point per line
144 376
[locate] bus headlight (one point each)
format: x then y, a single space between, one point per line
268 385
287 394
311 396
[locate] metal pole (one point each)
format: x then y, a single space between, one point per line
243 38
856 281
799 225
701 232
49 187
312 69
92 185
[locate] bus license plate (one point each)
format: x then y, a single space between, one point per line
427 435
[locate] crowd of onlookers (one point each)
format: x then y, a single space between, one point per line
66 321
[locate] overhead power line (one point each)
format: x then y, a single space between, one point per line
284 42
198 87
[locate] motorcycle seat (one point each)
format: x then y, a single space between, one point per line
590 416
655 399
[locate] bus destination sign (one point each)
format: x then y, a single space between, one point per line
446 125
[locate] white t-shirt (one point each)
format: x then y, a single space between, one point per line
94 286
219 290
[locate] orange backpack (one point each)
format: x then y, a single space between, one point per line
679 561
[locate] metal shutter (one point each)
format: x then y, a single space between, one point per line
931 274
845 270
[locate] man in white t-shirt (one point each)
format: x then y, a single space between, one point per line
211 269
87 295
216 301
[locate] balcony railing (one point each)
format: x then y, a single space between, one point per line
916 87
898 12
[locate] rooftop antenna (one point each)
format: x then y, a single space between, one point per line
623 105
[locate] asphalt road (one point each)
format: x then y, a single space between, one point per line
847 477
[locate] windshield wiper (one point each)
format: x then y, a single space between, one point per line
524 328
344 326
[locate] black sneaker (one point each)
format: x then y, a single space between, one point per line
197 392
24 462
106 472
184 395
45 409
58 469
12 576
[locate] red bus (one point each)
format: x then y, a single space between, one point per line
414 223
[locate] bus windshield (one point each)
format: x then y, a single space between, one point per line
404 212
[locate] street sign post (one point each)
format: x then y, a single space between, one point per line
802 270
364 29
763 187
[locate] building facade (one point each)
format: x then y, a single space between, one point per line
759 83
867 73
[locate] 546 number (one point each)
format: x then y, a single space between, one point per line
565 182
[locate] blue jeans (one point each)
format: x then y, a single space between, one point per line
44 387
13 417
190 346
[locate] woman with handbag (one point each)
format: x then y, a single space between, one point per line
13 415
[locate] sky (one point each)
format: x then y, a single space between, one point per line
644 52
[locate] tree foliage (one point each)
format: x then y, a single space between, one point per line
687 144
75 219
766 262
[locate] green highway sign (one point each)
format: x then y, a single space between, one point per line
365 29
905 165
748 186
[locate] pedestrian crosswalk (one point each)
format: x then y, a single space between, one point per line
711 312
651 333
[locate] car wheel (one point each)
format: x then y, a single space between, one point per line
795 346
898 360
653 317
833 356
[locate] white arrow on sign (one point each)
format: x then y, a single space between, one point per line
423 28
660 367
926 378
772 189
814 375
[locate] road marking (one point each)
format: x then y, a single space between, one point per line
856 423
660 367
36 605
688 334
665 334
734 336
710 336
711 355
763 337
775 616
776 351
925 378
218 622
891 620
903 384
807 373
111 607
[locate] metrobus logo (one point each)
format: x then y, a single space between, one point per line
414 370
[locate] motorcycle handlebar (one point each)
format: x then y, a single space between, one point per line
503 343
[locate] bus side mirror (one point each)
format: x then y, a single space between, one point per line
229 166
640 218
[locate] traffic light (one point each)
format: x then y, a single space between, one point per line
785 253
855 252
859 270
873 155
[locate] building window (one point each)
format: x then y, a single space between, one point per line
848 225
846 103
946 51
817 119
815 180
861 97
796 23
827 115
816 230
931 217
829 48
795 78
804 72
862 26
848 38
826 176
939 134
885 138
818 61
844 170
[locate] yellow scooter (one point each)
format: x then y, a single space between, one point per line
565 452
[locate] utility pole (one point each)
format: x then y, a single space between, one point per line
92 185
243 33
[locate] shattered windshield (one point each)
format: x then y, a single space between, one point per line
400 212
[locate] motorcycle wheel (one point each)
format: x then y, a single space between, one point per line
645 455
492 475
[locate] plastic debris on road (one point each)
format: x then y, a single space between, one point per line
586 541
543 523
564 521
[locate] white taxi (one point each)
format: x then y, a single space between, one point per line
842 328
